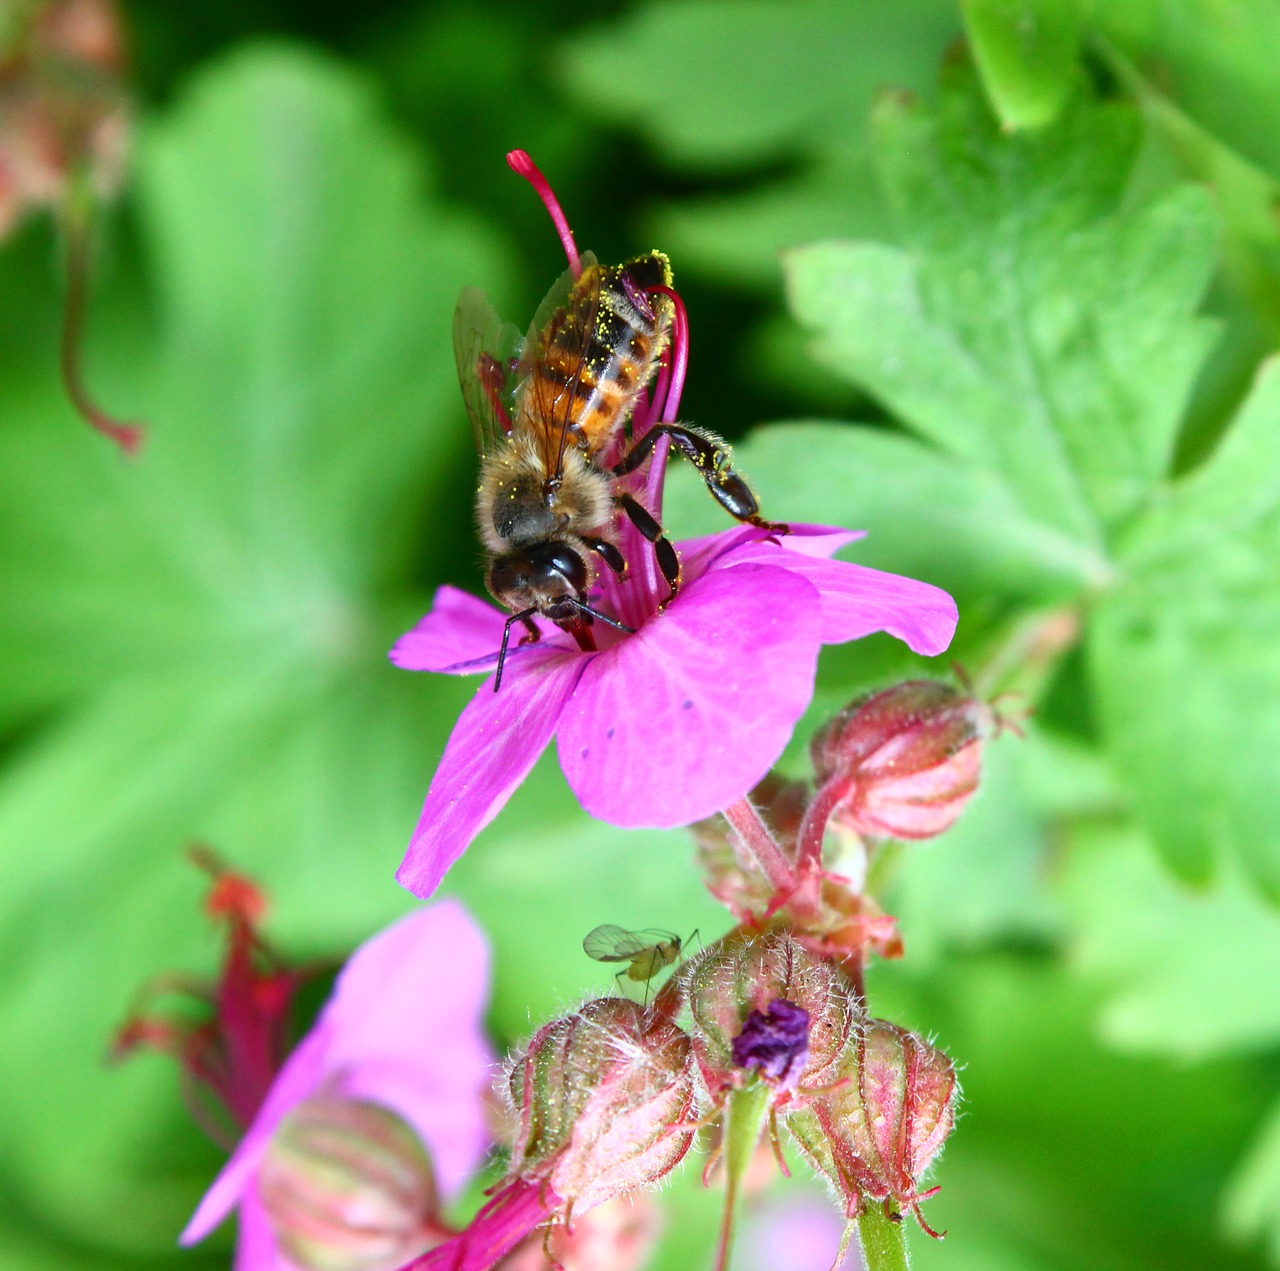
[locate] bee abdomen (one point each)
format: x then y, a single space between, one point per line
603 360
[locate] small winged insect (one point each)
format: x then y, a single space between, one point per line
649 951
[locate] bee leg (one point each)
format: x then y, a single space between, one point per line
714 462
526 617
644 521
532 633
607 553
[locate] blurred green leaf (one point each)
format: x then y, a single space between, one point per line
1060 1143
1216 60
1251 1204
984 883
726 84
1191 634
1183 971
1028 325
211 621
1026 51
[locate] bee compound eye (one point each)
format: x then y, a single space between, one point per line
563 560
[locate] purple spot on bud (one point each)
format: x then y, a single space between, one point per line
608 734
776 1042
687 704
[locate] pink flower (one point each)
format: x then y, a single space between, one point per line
397 1033
666 726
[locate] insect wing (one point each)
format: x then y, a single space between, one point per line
487 352
557 357
610 943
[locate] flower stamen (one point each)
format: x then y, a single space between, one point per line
520 163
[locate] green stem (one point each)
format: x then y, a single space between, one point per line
745 1114
884 1242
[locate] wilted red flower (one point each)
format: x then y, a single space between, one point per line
230 1036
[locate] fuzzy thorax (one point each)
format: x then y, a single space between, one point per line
515 508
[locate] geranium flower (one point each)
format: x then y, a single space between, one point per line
666 726
398 1033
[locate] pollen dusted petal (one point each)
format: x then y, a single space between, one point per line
460 635
497 739
677 721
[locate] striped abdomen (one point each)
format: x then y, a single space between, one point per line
596 355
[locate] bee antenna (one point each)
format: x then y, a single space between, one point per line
506 636
520 163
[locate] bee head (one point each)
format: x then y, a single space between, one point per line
550 576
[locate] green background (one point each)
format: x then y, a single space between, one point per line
1006 304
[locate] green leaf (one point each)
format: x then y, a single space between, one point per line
722 84
1183 972
1251 1203
1029 325
1217 59
1026 51
1060 1142
211 622
1191 634
926 514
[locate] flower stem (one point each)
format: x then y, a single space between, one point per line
76 223
884 1242
745 1113
814 828
757 839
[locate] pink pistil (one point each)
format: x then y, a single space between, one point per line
520 163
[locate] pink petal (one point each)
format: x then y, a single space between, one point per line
495 742
255 1241
407 1034
858 600
514 1213
687 715
300 1077
697 555
461 634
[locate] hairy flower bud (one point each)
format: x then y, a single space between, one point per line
347 1186
903 761
751 974
603 1097
874 1134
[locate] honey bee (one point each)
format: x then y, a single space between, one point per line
649 951
548 412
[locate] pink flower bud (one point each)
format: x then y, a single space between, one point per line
347 1187
903 762
749 974
604 1098
874 1134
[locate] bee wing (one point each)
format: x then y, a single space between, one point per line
487 352
560 342
609 943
